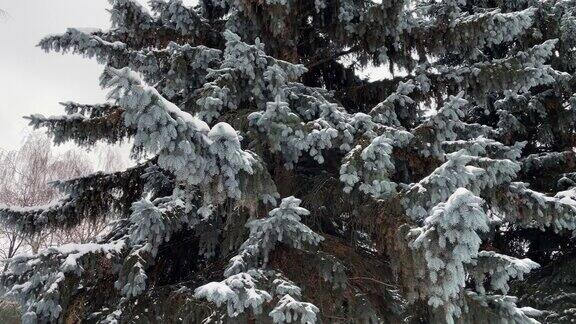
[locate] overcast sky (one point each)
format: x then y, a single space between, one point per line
32 81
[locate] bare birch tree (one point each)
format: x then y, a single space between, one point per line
25 176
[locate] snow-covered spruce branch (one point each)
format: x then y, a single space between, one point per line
247 270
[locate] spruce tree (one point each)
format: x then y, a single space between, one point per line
275 185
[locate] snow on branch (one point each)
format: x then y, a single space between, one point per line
184 144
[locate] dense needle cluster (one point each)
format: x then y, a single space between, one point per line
276 185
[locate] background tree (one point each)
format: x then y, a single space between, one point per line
26 174
422 197
26 177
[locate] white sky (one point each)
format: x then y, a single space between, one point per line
32 81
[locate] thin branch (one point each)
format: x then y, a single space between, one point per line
332 57
372 279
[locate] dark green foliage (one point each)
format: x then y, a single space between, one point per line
478 110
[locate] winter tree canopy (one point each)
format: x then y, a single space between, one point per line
276 185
